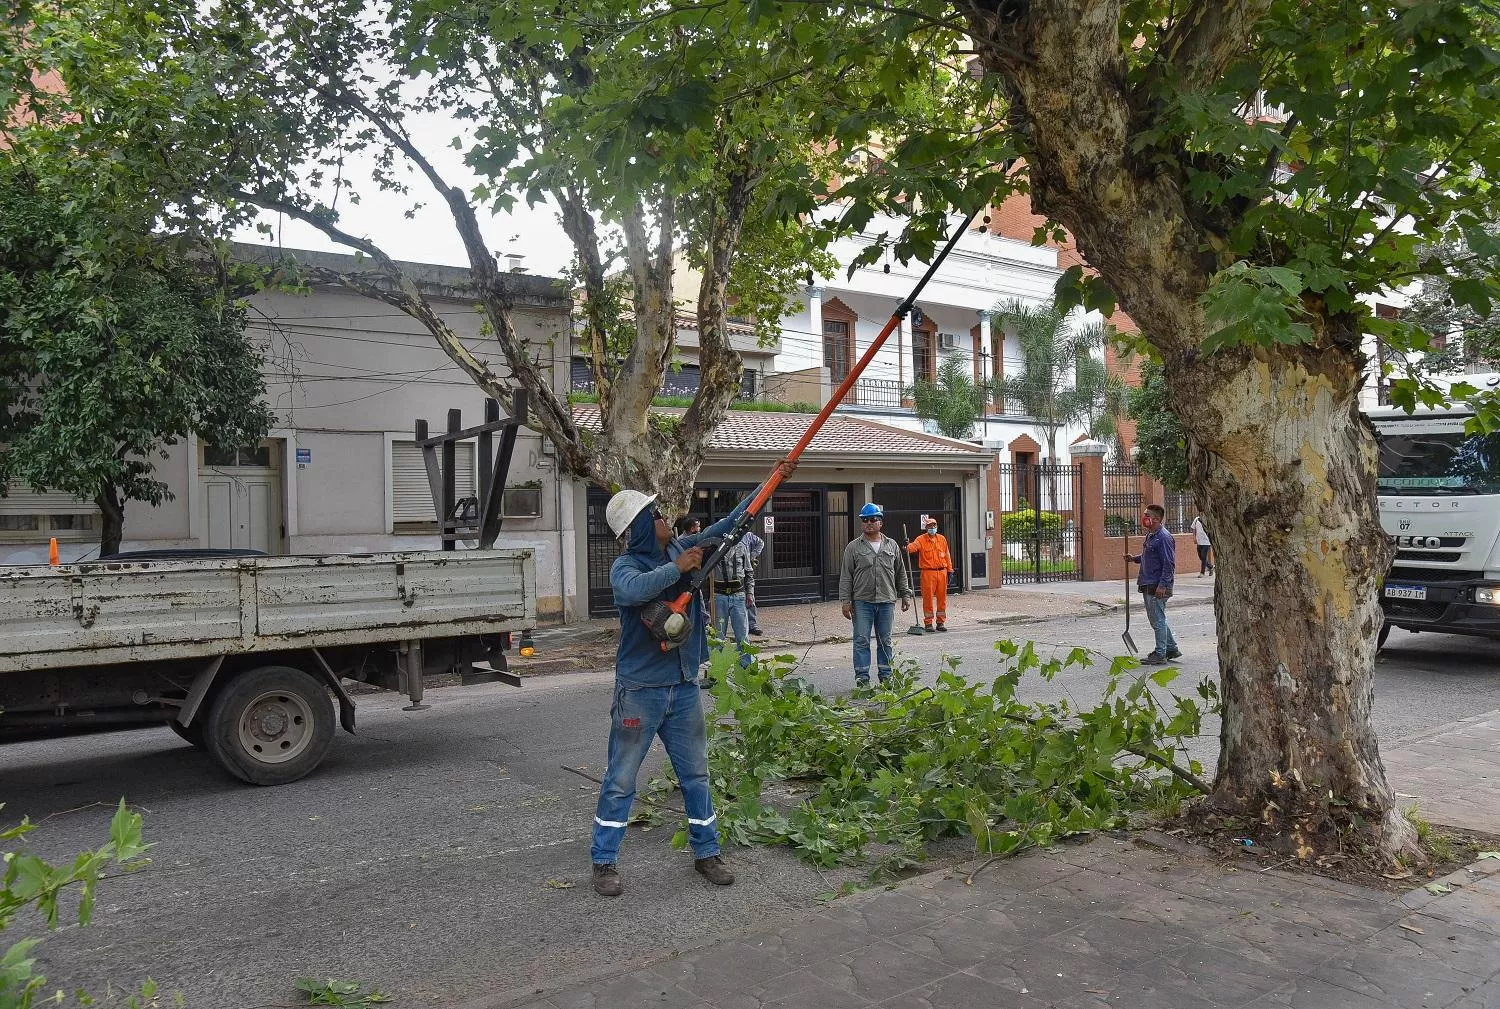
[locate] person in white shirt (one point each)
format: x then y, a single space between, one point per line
1205 545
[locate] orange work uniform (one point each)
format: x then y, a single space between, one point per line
936 564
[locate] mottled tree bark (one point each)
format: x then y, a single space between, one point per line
1281 461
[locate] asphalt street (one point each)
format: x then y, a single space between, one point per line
442 856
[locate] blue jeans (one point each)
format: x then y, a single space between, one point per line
638 715
754 616
1156 612
729 611
879 617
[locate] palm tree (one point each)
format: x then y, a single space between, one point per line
1110 414
954 400
1061 381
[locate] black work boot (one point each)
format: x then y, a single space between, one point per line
607 880
714 870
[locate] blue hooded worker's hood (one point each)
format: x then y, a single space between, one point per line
642 535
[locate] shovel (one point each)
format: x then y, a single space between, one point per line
916 628
1129 641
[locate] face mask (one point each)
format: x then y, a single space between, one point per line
932 530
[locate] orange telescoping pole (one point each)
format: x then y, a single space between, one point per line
786 465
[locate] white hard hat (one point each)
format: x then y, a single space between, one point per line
623 508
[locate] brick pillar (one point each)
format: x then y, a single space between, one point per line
993 505
1089 512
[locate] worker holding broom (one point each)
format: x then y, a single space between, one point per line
936 563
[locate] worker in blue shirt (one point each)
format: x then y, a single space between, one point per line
656 687
1158 561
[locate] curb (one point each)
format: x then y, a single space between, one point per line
1117 607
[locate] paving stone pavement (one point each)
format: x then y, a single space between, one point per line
1453 772
1119 921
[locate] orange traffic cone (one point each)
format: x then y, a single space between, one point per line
52 553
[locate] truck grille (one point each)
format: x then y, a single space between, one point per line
1414 610
1438 556
1421 576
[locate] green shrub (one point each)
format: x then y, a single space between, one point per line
1022 527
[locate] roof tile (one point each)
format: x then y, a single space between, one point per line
764 431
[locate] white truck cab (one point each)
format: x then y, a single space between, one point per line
1439 498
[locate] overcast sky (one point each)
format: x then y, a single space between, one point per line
429 236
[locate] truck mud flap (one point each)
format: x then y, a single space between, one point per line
346 703
199 690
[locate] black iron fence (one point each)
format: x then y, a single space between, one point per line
1180 510
1038 522
1122 499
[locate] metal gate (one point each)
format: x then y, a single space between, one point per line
603 549
1038 522
905 504
805 529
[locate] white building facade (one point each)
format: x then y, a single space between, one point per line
347 377
955 315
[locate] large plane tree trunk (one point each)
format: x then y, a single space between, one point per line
1289 487
1279 456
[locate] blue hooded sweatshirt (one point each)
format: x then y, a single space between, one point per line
645 572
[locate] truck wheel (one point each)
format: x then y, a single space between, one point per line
191 733
1385 632
271 725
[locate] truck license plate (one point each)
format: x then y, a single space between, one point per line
1406 592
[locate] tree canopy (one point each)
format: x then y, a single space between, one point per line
1241 178
1159 436
113 345
716 137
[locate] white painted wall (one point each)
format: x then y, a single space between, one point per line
346 376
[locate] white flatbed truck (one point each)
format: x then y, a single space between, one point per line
245 656
1439 499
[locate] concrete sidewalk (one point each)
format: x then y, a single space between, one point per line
1189 590
1143 923
810 623
1452 773
1134 922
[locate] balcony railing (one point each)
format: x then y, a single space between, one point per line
884 394
682 384
875 394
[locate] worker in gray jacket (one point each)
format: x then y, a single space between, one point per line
871 579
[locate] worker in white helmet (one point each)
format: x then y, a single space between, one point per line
656 689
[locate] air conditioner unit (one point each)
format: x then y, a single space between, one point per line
948 341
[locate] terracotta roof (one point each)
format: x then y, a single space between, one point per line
775 433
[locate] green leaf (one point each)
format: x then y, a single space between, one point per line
1162 677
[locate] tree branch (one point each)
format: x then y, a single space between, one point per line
1200 46
552 414
720 364
1274 158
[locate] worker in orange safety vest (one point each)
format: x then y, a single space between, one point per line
933 558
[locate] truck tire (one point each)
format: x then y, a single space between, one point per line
191 733
1385 632
271 725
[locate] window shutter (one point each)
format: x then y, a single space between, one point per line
411 497
21 500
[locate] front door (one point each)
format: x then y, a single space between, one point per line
240 491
